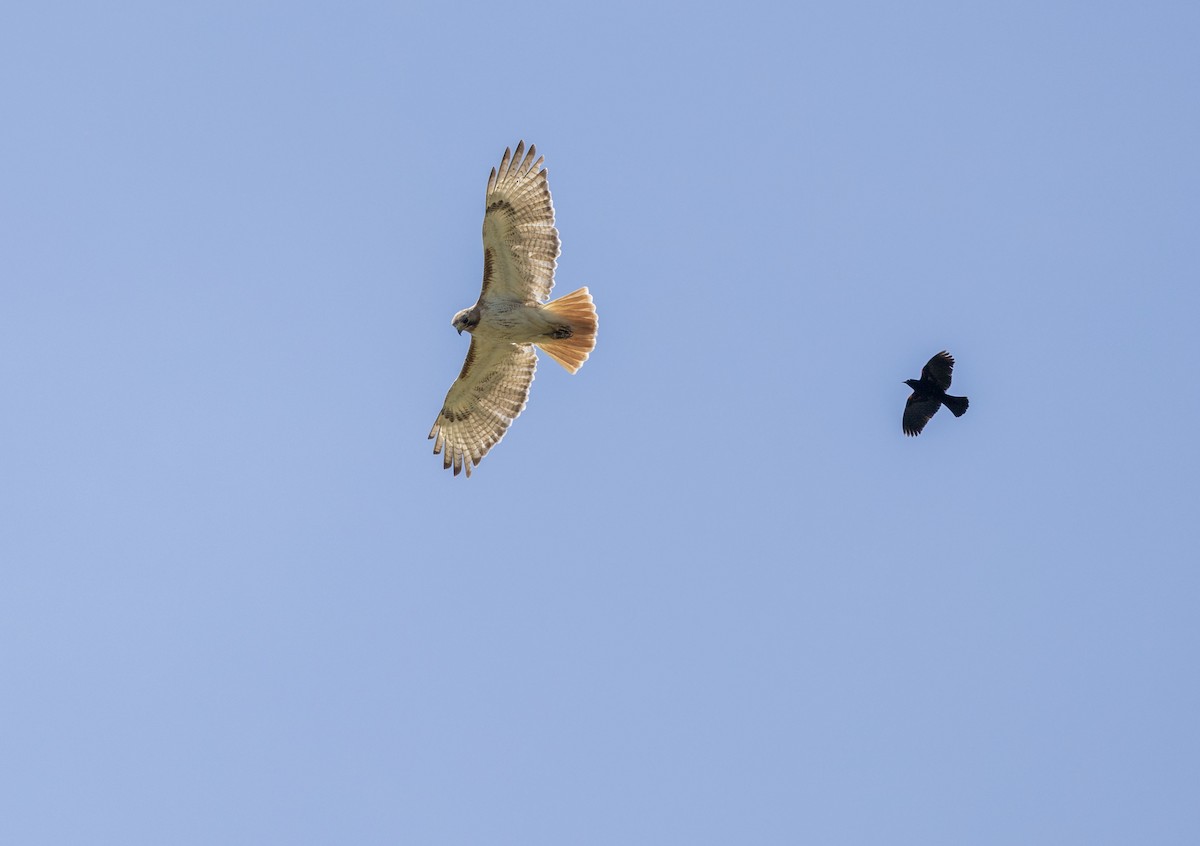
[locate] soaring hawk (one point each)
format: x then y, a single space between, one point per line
512 315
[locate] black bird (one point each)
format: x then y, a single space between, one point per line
929 394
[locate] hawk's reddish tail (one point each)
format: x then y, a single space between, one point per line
578 312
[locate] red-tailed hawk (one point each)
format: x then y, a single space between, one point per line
512 315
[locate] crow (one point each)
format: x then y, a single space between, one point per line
929 394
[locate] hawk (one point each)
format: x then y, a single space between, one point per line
512 315
929 394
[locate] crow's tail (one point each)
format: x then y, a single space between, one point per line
957 405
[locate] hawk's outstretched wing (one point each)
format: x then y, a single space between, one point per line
520 243
938 370
486 398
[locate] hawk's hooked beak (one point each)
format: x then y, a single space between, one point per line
459 328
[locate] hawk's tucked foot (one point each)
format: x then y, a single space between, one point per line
571 347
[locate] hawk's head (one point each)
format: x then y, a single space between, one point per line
467 319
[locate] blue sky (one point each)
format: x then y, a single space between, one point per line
705 591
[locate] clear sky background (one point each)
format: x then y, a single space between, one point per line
705 591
